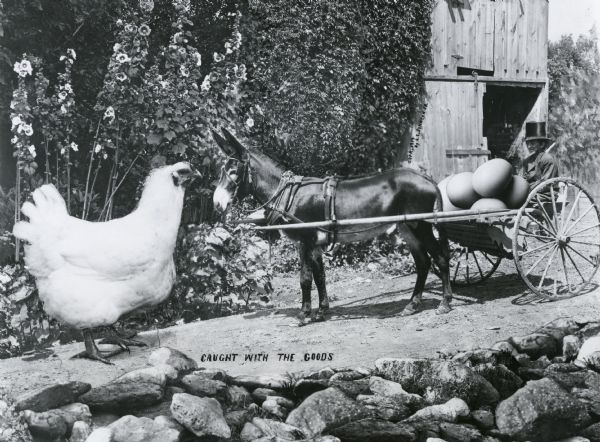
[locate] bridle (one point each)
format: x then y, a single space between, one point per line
243 172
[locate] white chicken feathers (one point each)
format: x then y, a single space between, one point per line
89 274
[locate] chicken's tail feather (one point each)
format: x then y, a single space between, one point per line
48 209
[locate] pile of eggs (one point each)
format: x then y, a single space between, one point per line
491 187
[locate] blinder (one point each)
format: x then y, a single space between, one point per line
243 175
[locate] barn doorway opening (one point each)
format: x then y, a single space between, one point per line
505 109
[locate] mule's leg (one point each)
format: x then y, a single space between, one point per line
440 254
318 269
422 262
306 277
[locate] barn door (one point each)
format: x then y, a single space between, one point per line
470 27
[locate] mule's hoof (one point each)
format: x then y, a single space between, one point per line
410 309
443 309
321 316
302 319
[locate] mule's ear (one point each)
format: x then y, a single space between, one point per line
222 143
235 144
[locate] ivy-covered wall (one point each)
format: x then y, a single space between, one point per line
333 85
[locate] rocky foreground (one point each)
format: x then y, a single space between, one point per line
541 387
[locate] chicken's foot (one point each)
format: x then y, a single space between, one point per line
91 350
122 341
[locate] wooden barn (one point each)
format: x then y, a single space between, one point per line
488 77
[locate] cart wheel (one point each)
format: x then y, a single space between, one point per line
556 241
469 266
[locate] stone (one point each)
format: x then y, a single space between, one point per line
536 345
142 429
54 396
161 409
174 358
589 353
575 439
559 328
46 424
172 390
260 427
484 419
383 387
505 346
281 401
80 432
103 419
588 330
250 433
201 415
592 432
351 388
306 387
275 382
236 419
155 375
385 407
374 430
479 356
325 409
351 375
122 396
504 380
238 397
441 380
541 411
202 387
103 434
168 422
459 433
571 345
273 408
451 411
213 375
260 394
531 374
325 373
589 397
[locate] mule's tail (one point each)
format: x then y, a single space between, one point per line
443 236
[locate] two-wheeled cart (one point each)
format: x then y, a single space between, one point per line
553 239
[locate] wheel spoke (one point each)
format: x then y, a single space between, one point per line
593 206
541 238
457 266
576 252
545 214
575 201
535 264
485 255
585 243
536 249
477 264
554 208
541 225
574 265
546 269
564 263
579 232
467 265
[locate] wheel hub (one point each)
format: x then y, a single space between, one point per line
563 240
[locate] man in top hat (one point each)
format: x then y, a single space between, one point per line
540 165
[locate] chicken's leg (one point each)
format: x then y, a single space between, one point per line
92 352
122 341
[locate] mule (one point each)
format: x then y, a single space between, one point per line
394 192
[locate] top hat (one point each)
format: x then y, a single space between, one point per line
536 131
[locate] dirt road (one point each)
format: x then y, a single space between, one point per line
365 324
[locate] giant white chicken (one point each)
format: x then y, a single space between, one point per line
89 274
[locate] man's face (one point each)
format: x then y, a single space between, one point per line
536 145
